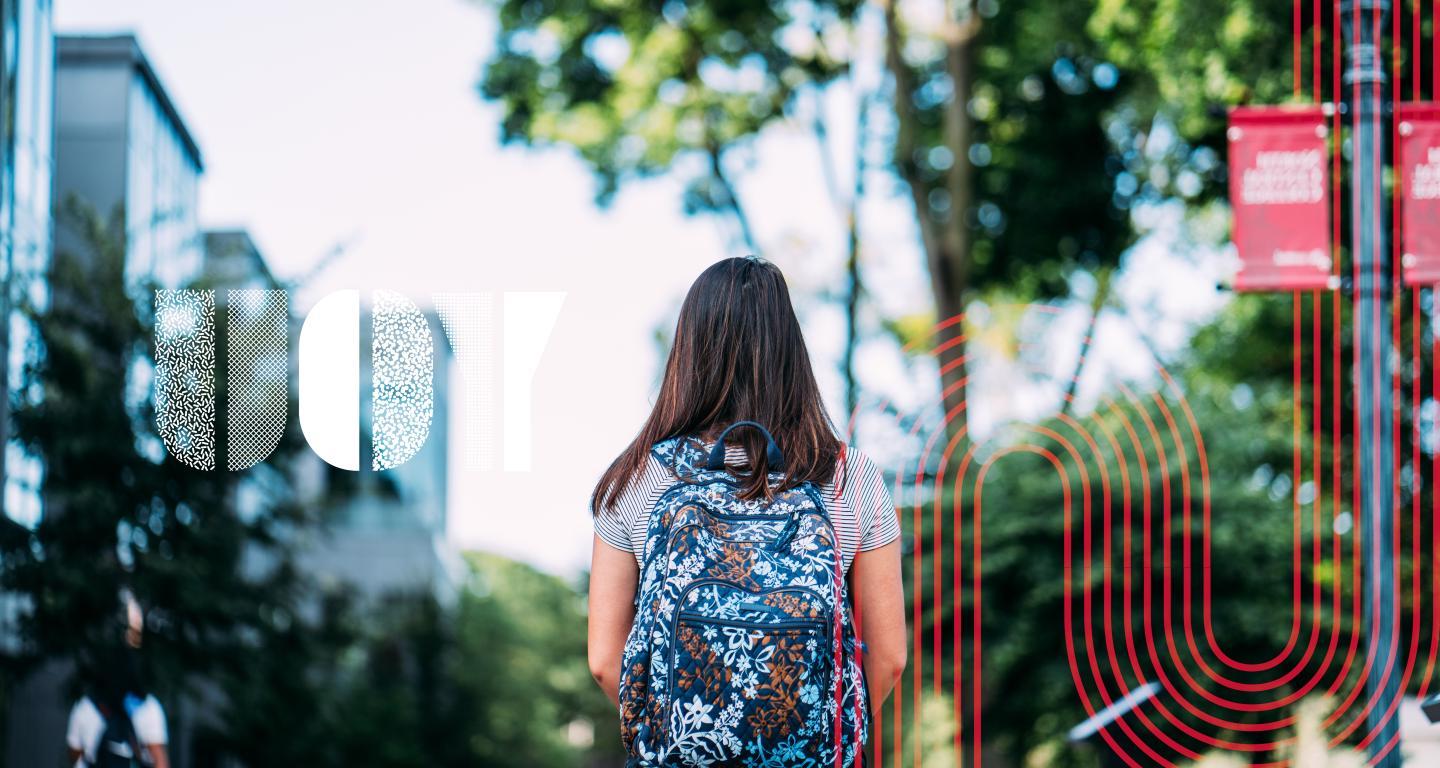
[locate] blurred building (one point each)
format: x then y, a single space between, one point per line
233 262
383 532
27 74
87 129
121 149
389 534
27 71
92 133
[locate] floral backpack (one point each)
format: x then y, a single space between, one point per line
743 652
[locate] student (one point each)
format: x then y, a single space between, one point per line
117 723
739 356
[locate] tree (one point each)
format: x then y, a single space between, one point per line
497 678
279 671
1023 135
120 518
1259 375
996 113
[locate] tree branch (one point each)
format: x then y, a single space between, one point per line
852 262
958 36
907 130
947 247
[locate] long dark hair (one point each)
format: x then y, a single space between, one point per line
738 354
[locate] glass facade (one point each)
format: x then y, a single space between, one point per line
162 179
27 73
120 144
122 147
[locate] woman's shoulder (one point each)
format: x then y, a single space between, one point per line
84 708
860 487
853 461
654 475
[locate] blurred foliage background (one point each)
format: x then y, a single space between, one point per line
276 667
1035 142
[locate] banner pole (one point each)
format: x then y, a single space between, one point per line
1364 24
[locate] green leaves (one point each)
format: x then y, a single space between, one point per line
1196 56
635 87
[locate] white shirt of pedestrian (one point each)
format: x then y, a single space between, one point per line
87 727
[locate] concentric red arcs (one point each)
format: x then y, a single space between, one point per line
1138 458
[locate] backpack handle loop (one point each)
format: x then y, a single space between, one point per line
773 458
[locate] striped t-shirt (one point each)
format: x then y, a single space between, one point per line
858 504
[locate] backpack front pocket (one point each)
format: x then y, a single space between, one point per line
746 691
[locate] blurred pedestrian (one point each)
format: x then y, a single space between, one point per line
118 723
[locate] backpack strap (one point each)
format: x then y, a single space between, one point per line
683 456
816 495
121 719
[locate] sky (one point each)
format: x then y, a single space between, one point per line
357 125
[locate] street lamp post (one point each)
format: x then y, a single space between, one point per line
1370 115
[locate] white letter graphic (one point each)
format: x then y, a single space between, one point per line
330 379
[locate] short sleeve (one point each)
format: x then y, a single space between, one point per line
869 497
75 729
623 525
612 529
82 733
149 722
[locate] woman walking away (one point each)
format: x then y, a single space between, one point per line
746 605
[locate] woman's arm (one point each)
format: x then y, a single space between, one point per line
159 756
613 579
879 599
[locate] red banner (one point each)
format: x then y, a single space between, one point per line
1419 182
1280 192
